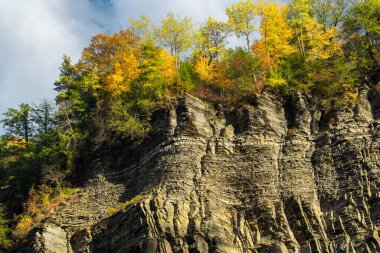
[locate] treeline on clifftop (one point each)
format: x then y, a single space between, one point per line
327 48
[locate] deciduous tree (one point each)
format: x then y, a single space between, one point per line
276 34
212 37
176 34
143 28
241 18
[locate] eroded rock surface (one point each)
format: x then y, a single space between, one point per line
269 177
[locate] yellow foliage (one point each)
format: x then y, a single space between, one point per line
123 74
276 82
314 42
41 202
213 74
111 211
23 226
168 68
351 95
211 38
275 34
114 58
67 192
322 44
39 199
205 69
16 144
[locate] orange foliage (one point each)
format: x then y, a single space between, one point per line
115 59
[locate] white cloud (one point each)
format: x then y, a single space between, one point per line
34 36
199 10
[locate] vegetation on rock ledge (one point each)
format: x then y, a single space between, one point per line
329 49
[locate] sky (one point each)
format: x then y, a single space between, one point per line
35 34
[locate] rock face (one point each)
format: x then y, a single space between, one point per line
268 177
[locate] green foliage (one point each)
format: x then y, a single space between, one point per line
143 28
176 34
239 68
242 67
290 76
75 100
127 122
17 122
151 83
188 79
5 242
362 34
334 83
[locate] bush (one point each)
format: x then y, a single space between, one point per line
4 230
42 201
39 199
24 225
126 123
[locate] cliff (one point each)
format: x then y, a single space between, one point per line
273 176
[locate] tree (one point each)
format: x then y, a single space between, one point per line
212 37
143 29
241 68
17 122
75 105
205 69
176 34
299 15
157 70
276 35
330 13
313 41
362 35
241 17
109 65
43 117
233 75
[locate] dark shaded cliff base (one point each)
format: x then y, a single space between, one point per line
271 177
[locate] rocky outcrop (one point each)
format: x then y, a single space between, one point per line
268 177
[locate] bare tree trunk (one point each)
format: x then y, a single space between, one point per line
248 42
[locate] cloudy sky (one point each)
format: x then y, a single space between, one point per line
36 33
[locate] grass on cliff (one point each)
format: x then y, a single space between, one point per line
124 205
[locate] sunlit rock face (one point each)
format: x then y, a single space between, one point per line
273 176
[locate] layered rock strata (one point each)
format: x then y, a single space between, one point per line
273 176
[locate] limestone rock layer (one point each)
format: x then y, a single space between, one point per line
274 176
